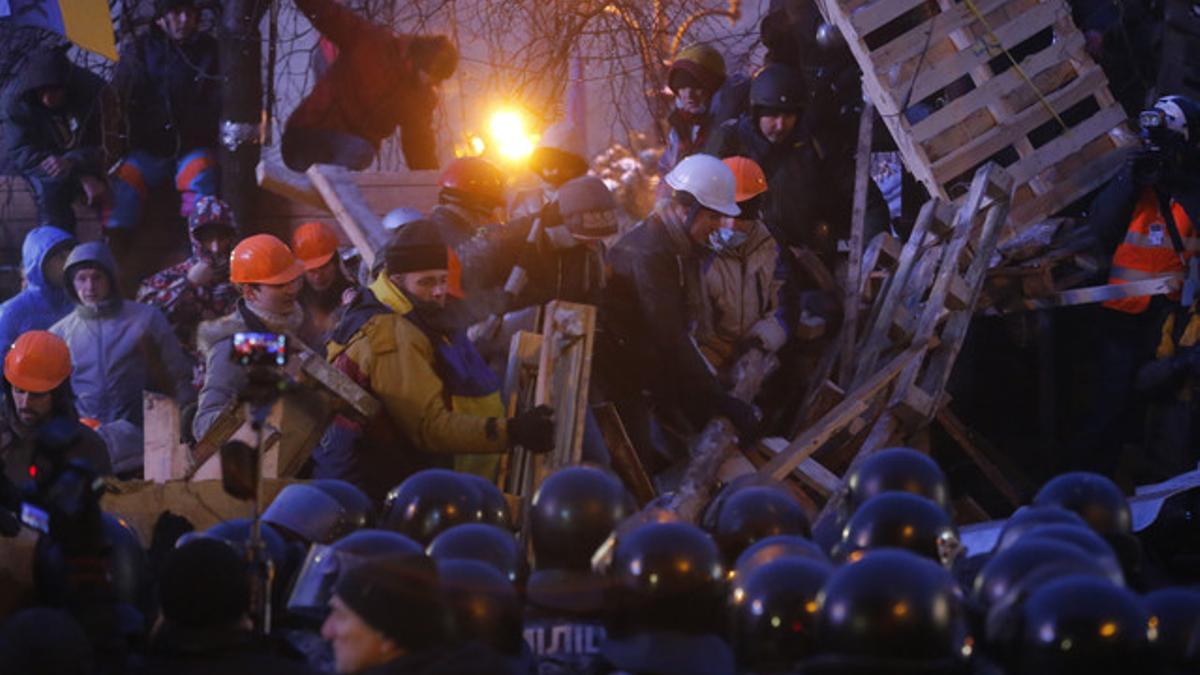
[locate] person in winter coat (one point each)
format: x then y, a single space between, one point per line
268 277
37 391
1169 382
694 77
1134 220
43 300
438 395
389 617
379 80
654 306
197 289
170 86
53 136
119 348
810 190
205 627
744 278
326 284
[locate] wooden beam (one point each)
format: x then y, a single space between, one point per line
359 223
852 301
811 472
274 177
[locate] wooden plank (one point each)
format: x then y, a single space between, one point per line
1068 188
936 29
274 177
851 301
564 374
625 461
337 383
811 472
1069 143
936 76
358 222
930 316
979 452
941 361
857 402
164 455
1094 294
1008 131
880 13
999 87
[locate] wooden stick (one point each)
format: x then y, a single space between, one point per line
978 451
850 305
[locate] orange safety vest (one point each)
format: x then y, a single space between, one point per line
1148 252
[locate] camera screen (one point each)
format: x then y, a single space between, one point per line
35 517
260 349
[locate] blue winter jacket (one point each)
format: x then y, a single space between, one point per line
39 305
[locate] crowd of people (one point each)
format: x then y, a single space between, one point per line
394 551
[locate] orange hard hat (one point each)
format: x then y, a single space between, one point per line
263 259
314 244
748 176
39 361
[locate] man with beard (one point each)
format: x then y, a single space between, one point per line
325 283
37 391
438 395
197 289
268 277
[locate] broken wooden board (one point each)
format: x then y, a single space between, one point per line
625 461
563 380
979 452
164 455
525 350
358 222
942 75
313 365
274 177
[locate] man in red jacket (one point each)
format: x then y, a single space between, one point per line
379 80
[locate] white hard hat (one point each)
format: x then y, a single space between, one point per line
563 137
1179 113
708 180
400 217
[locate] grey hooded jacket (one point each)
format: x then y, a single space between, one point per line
119 349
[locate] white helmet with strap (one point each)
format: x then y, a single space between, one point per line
708 180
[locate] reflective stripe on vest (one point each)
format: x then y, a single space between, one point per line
1147 251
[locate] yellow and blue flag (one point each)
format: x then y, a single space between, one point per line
87 23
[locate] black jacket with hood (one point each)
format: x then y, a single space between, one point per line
33 132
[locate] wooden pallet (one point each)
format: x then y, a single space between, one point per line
913 335
940 74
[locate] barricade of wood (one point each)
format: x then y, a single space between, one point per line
959 84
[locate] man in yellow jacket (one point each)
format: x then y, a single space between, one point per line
397 339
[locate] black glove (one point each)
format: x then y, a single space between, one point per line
744 417
1147 166
533 430
1188 360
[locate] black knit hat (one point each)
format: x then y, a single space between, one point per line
399 596
204 584
163 6
414 247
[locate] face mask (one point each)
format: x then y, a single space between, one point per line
726 239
